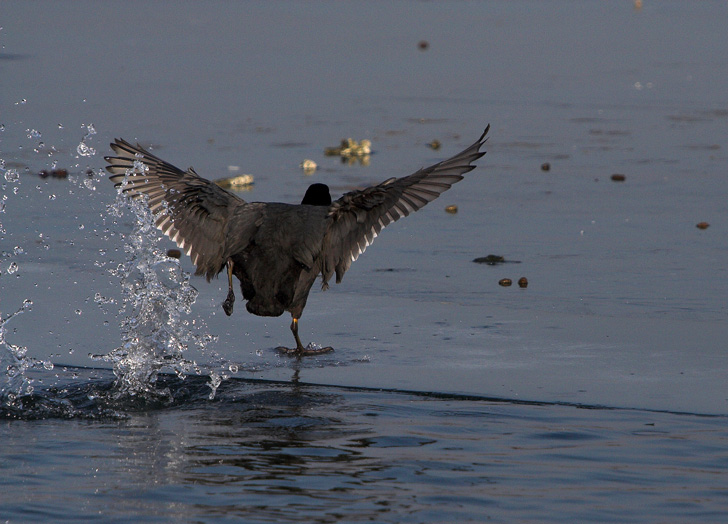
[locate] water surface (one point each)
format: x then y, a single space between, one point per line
625 309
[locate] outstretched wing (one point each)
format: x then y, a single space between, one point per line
359 216
189 209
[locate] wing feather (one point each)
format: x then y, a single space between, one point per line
358 217
192 211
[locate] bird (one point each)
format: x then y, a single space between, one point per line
276 250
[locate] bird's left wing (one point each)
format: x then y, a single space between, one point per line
359 216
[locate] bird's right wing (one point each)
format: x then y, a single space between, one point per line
192 211
359 216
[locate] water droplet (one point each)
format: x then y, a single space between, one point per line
84 150
48 365
78 311
60 126
259 352
233 368
12 175
18 250
51 197
100 299
12 268
81 227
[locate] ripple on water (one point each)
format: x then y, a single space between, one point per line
265 451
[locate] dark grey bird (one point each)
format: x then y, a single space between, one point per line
275 250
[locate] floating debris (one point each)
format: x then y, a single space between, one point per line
54 173
493 260
505 282
452 209
435 144
618 177
242 182
308 166
174 253
545 166
523 282
350 148
702 225
423 45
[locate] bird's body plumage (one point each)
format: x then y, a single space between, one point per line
276 250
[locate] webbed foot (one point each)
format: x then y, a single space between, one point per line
307 351
227 306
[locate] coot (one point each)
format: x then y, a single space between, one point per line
275 250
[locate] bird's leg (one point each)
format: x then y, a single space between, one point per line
299 350
294 330
230 300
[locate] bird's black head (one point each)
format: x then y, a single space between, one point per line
317 195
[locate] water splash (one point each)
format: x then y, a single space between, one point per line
157 297
15 363
14 360
83 149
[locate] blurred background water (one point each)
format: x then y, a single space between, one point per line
466 394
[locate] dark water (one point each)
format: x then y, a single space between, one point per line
293 452
598 393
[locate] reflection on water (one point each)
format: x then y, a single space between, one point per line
291 452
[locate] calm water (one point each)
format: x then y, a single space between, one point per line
287 452
598 393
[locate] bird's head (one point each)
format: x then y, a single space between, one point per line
317 195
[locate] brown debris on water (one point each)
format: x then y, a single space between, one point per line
451 209
435 145
54 173
523 282
493 260
617 177
702 225
308 166
174 253
505 282
545 166
236 183
350 148
351 151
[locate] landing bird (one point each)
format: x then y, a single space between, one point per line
275 250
